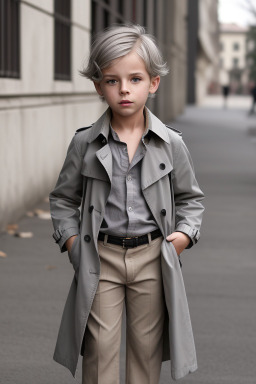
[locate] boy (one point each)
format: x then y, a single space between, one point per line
133 179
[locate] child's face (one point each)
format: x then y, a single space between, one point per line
126 84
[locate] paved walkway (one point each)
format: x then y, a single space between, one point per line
219 272
233 102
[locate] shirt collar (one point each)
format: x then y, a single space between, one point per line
113 133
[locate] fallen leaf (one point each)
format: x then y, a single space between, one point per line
45 215
2 254
11 228
11 232
30 214
38 211
50 267
24 235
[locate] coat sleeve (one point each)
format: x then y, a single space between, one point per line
66 197
187 195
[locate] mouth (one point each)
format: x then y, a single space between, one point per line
125 102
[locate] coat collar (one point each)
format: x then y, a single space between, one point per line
156 126
101 127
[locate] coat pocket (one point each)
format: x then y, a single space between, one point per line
175 252
75 253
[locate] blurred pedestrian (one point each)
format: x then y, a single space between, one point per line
133 179
253 93
225 87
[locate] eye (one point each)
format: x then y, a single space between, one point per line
136 79
111 81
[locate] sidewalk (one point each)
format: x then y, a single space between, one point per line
233 102
219 272
34 281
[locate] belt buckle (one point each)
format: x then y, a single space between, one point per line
130 238
123 240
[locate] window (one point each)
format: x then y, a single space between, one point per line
235 62
62 40
107 12
236 47
250 45
9 38
104 14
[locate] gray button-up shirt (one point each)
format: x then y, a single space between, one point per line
127 213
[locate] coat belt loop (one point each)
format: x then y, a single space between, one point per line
105 239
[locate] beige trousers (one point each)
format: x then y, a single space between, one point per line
130 276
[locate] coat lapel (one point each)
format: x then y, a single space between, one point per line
91 166
157 161
155 165
96 154
105 157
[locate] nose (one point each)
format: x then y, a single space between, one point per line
124 88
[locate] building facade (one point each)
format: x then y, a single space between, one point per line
43 99
233 49
203 48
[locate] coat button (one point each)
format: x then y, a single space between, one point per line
87 238
162 166
163 212
91 208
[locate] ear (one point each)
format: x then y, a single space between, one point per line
98 88
154 84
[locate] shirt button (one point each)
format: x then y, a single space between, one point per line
130 209
162 166
87 238
163 212
129 177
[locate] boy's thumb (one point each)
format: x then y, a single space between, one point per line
170 237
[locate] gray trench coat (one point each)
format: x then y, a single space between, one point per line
77 207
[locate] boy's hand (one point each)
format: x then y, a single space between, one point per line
69 242
179 240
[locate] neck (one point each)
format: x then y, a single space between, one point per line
129 123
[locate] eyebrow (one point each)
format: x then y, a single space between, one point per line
130 74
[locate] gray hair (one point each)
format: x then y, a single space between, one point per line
119 40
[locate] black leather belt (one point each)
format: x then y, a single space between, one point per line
130 242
